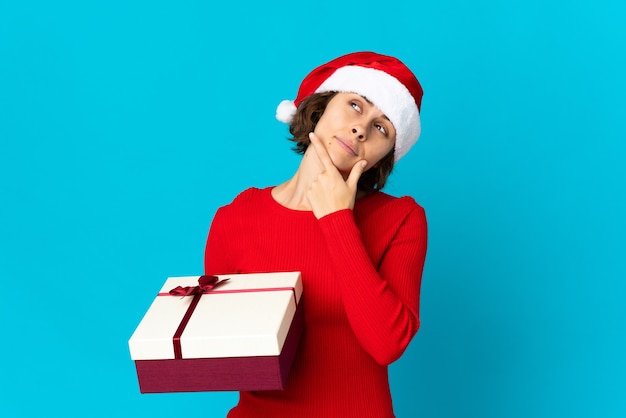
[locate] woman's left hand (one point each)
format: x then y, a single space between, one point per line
329 192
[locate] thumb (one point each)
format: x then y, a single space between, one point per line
355 174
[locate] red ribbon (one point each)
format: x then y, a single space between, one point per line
206 284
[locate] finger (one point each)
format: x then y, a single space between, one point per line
321 152
355 174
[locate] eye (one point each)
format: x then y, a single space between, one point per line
381 128
355 106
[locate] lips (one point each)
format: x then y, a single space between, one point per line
347 146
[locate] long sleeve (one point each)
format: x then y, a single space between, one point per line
361 273
382 304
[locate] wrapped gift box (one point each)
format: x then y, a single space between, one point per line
241 334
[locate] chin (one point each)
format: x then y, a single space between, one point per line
343 166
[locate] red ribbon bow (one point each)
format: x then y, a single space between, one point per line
205 285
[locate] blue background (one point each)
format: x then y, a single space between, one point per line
124 125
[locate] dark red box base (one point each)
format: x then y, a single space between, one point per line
222 374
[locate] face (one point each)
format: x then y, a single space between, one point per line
353 129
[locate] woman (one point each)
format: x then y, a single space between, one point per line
361 252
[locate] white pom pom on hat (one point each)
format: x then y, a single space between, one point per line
384 80
285 111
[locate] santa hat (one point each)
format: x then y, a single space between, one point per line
383 80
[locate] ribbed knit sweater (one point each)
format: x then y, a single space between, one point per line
361 272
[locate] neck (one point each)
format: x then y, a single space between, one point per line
292 193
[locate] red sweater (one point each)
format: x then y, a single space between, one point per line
361 272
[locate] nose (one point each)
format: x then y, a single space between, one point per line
359 133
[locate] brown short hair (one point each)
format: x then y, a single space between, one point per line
304 121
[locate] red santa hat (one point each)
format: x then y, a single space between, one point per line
383 80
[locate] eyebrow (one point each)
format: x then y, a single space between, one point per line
371 103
